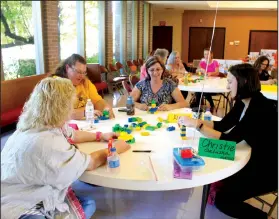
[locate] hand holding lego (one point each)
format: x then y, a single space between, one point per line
98 113
142 106
109 135
121 146
164 107
187 121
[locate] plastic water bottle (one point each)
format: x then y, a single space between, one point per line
207 115
89 113
130 106
113 161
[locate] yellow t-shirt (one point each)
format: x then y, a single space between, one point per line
84 91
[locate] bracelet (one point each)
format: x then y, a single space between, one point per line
98 136
198 128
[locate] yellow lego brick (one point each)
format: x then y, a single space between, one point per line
145 133
138 128
184 138
160 119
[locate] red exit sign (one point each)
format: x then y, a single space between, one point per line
162 23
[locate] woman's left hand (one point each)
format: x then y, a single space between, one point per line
164 107
109 135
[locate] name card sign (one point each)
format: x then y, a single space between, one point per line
220 149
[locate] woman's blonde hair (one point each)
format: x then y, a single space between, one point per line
171 59
49 105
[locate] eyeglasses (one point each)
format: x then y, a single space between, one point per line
263 64
79 72
153 70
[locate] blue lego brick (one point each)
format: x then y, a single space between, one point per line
171 128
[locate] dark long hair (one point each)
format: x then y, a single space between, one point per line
71 61
248 82
259 61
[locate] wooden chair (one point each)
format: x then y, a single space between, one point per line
136 63
131 67
126 87
114 79
140 62
121 69
271 205
133 79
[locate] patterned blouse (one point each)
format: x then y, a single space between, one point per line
163 95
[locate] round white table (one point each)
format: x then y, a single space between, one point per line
270 95
139 171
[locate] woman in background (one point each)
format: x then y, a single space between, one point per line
39 163
262 64
176 68
212 71
74 68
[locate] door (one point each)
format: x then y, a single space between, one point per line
162 37
262 39
200 38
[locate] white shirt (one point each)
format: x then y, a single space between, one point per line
38 166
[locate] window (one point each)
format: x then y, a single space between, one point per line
130 30
92 31
116 23
18 37
67 28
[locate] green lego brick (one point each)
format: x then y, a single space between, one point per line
159 124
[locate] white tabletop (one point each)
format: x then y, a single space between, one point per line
136 171
216 85
209 85
270 95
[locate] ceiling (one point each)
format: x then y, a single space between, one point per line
211 5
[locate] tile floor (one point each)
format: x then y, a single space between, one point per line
181 204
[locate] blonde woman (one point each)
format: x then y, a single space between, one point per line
176 68
38 164
175 65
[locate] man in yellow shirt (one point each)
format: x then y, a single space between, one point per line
74 68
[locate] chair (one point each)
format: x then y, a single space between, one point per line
94 74
136 63
121 69
196 63
126 87
272 206
114 78
131 67
140 62
133 79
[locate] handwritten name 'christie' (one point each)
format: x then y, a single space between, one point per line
216 148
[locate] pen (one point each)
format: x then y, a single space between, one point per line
142 151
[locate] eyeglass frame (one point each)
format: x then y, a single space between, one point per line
78 72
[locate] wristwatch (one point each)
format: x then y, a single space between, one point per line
199 126
98 136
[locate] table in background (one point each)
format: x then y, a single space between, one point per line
209 85
136 171
270 91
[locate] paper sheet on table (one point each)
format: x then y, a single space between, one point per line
162 167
